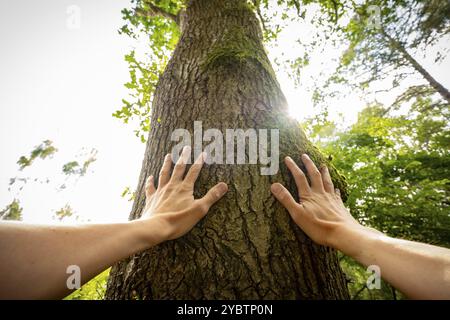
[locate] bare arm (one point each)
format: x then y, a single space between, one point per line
420 271
34 258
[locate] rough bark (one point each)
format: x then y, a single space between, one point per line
247 247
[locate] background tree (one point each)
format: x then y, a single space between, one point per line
385 40
13 211
219 73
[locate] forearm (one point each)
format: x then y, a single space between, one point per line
35 258
418 270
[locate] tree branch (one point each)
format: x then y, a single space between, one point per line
156 11
256 3
297 7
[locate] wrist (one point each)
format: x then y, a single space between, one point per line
150 232
354 240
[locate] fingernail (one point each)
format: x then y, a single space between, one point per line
305 156
186 149
223 187
289 159
275 188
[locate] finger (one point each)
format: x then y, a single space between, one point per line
149 187
299 177
313 173
164 174
284 196
212 196
195 169
326 180
337 192
180 166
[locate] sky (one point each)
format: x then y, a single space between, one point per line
62 83
61 78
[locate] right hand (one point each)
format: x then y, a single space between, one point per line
320 212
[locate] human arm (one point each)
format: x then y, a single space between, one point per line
420 271
34 258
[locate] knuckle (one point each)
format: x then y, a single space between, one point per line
316 173
164 171
186 186
215 195
305 197
169 186
179 164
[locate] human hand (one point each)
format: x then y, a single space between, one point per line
172 205
320 213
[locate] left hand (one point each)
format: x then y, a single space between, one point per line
321 214
173 204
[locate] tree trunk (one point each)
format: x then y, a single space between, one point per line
246 247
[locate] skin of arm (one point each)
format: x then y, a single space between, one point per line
34 258
420 271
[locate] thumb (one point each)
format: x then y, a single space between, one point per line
214 194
